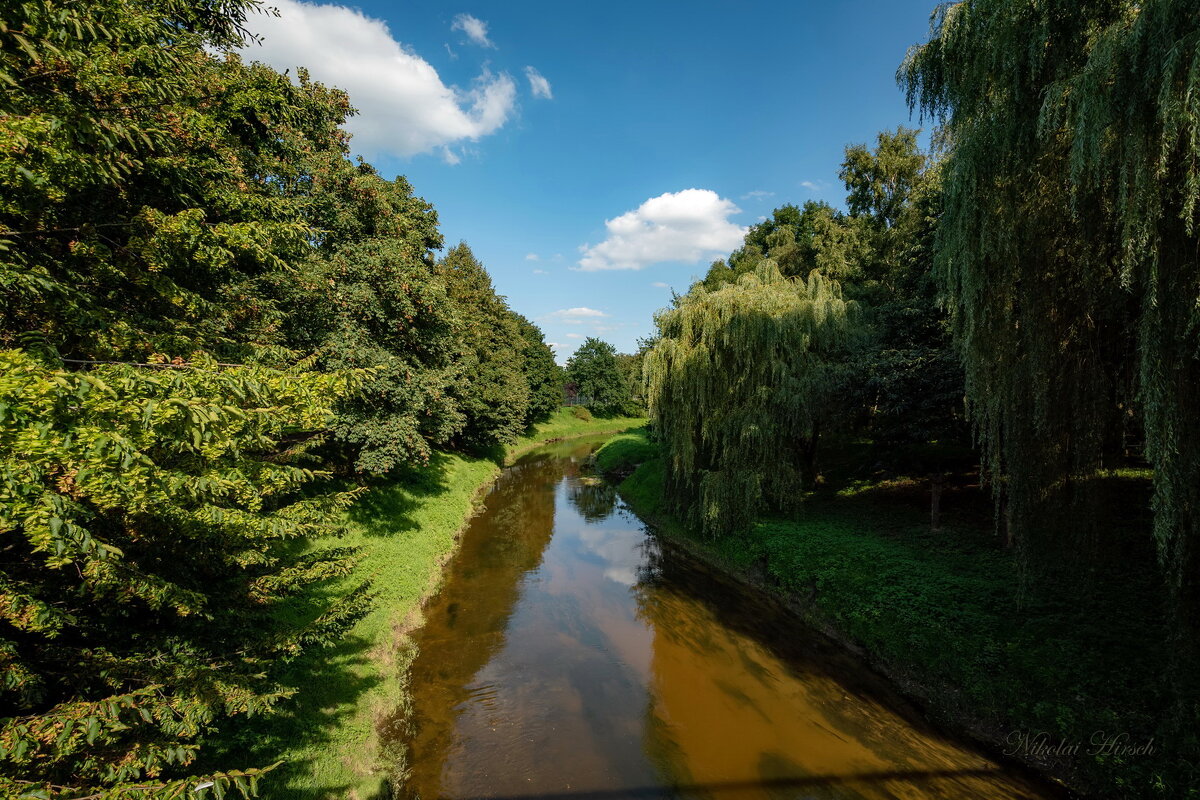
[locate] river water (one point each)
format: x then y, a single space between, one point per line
569 654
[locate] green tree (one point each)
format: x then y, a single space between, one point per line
150 522
542 373
908 370
1043 292
493 392
1068 249
145 189
594 371
741 383
368 296
630 367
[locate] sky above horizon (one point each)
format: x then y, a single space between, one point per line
597 156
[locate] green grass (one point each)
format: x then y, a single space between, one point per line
326 733
564 425
623 452
1079 648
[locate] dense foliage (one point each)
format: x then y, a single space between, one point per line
888 373
542 373
594 374
742 382
493 391
1068 252
207 309
150 521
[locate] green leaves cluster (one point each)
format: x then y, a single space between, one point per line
595 373
1068 251
741 382
745 392
150 518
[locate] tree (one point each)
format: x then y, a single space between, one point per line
1067 247
492 392
368 296
597 377
145 191
542 374
908 370
388 313
150 518
741 383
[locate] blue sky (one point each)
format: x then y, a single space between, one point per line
530 126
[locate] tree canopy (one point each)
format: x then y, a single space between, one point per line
741 382
492 391
596 375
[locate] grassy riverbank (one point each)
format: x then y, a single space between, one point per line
405 530
946 615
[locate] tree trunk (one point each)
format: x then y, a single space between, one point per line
937 481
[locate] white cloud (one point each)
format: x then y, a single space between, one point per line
553 345
661 285
574 335
677 226
474 28
532 257
576 316
540 272
814 186
538 85
404 107
757 193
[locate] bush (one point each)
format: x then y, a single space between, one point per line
581 412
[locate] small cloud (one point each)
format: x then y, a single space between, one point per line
814 186
553 345
532 257
540 272
453 55
538 85
661 285
677 226
757 194
574 335
475 29
576 316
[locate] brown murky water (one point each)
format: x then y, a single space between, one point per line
570 655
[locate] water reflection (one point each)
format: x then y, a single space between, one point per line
568 656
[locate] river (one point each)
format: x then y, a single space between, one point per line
570 654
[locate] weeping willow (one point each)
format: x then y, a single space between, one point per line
1068 246
740 385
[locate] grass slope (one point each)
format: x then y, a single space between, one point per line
1072 653
623 452
405 529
